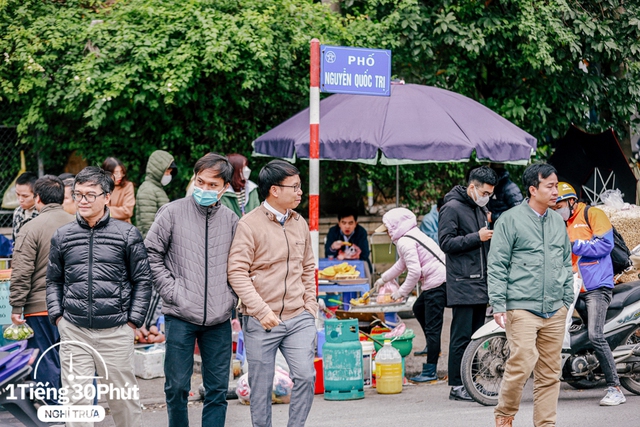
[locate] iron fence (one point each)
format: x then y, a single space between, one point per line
9 166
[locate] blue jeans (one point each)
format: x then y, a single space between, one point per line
45 334
597 303
215 349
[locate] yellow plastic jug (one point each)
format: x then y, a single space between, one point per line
388 370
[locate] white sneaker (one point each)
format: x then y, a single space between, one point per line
614 397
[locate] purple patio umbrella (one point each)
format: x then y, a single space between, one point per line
416 124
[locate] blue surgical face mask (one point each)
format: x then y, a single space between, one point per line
205 197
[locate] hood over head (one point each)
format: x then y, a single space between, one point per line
159 161
398 222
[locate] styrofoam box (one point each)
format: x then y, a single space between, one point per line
148 362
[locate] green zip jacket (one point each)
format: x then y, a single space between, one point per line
529 264
151 196
251 200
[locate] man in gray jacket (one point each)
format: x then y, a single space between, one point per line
28 278
188 245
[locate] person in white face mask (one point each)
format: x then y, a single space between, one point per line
151 195
242 196
464 237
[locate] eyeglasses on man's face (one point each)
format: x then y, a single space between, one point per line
90 197
295 187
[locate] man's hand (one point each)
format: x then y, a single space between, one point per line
485 234
501 319
131 325
337 245
58 320
17 319
270 321
377 285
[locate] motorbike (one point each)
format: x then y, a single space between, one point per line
483 363
16 362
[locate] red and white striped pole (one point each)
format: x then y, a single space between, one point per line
314 149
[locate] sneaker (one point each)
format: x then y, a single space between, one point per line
614 397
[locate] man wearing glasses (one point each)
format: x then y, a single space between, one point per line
464 237
272 268
98 289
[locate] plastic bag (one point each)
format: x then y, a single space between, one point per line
282 386
280 393
613 198
385 291
10 198
18 332
242 389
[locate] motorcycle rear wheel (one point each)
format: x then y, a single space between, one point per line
483 368
632 383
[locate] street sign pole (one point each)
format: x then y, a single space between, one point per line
314 150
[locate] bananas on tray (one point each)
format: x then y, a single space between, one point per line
339 272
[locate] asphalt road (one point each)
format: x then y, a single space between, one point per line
428 405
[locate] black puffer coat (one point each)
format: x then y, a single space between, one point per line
506 195
459 223
98 277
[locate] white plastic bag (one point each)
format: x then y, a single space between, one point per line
577 285
613 198
280 393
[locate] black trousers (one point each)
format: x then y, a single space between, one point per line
429 311
466 320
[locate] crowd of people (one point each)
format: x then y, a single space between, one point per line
82 272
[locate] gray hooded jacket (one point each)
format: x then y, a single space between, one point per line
188 246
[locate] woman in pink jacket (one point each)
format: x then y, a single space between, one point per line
424 262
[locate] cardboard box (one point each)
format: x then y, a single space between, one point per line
148 361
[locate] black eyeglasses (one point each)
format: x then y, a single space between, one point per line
295 187
90 198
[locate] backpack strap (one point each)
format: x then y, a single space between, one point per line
427 248
586 216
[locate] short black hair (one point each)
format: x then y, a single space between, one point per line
27 178
216 162
483 175
347 212
50 189
273 173
93 175
67 178
439 203
532 175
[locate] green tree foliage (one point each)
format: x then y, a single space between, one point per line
126 77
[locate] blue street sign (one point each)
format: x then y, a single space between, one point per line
355 70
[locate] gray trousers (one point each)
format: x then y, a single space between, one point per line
111 355
296 339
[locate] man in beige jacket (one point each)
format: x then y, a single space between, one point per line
271 268
28 287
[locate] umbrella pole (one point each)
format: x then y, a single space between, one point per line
314 149
397 186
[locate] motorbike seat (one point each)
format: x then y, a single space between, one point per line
624 295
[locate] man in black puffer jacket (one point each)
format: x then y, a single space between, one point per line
464 238
506 195
98 289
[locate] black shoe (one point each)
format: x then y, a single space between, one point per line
459 393
421 352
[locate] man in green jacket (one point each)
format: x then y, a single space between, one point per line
530 285
151 196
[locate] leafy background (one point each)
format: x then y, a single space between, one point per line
127 77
